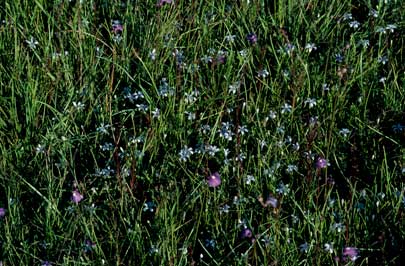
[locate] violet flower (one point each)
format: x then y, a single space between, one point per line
246 233
76 196
351 253
214 180
321 163
2 212
252 38
162 2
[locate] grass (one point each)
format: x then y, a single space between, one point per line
113 114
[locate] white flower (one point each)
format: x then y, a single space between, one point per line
311 102
304 247
328 247
249 179
310 47
185 153
287 108
32 43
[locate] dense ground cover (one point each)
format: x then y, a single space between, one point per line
202 132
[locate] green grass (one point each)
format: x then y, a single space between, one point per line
114 116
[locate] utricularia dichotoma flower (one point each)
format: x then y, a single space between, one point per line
76 196
214 180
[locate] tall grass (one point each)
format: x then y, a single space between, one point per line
115 116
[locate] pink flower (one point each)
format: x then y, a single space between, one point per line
246 233
162 2
321 163
351 253
76 196
214 180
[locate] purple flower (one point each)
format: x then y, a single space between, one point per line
46 263
214 180
162 2
2 212
89 245
76 196
272 201
246 233
252 38
351 253
117 27
321 163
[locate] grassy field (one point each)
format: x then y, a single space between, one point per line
202 132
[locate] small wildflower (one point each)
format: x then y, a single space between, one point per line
391 27
325 87
287 108
246 233
89 246
243 53
382 59
211 149
153 250
321 163
107 146
263 73
224 209
292 168
364 43
40 148
398 128
339 58
78 106
270 201
32 43
117 27
328 247
233 88
185 153
149 206
272 115
381 30
214 180
347 16
311 102
152 55
289 48
252 38
242 130
373 13
205 129
338 227
190 115
382 80
345 132
142 107
249 179
230 38
76 196
210 243
206 59
160 3
46 263
283 189
350 253
354 24
2 212
156 113
103 129
304 247
310 47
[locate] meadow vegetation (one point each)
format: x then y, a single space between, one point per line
218 132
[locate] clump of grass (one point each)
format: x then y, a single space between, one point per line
215 133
